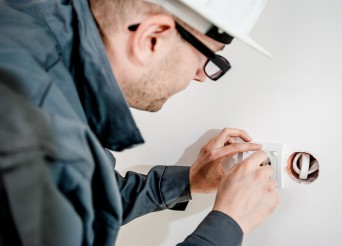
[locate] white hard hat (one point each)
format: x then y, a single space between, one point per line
220 19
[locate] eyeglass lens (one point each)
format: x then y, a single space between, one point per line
212 70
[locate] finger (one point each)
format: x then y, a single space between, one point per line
233 132
271 185
230 141
233 149
257 158
226 134
262 175
267 171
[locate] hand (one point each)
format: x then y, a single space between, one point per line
207 171
247 192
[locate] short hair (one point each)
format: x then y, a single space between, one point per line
111 15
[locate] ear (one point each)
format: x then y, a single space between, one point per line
153 38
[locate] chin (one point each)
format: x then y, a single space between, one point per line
152 107
156 105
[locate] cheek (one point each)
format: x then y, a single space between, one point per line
190 66
184 66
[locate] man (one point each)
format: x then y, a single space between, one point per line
68 69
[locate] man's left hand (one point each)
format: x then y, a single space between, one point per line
207 171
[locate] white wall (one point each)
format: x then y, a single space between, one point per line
294 98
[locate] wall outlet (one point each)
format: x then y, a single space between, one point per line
276 155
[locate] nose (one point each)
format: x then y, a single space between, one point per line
200 75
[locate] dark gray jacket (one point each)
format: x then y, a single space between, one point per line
60 111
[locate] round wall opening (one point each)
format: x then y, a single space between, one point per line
302 167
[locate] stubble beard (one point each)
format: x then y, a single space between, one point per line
151 91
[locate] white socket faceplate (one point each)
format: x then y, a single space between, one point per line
276 154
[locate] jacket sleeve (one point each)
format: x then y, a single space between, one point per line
164 187
216 229
167 187
31 207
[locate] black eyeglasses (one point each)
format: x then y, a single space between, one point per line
216 65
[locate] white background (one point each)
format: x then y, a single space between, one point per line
294 98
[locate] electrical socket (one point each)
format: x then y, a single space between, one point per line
276 158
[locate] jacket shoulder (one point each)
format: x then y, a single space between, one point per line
23 28
21 125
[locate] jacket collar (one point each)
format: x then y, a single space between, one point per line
107 111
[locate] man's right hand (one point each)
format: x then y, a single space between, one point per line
247 192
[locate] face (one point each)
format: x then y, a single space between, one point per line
173 64
173 74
